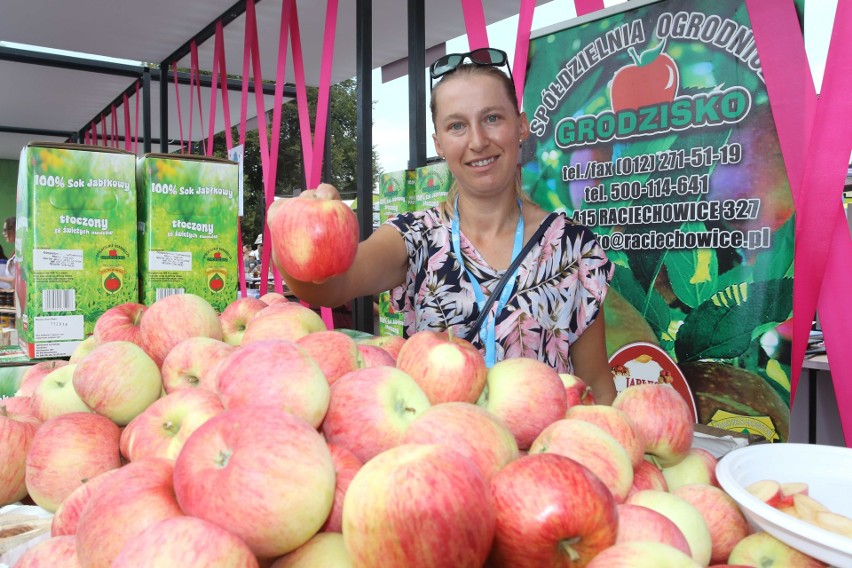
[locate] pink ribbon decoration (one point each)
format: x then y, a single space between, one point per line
474 24
584 7
104 139
270 171
126 106
177 103
114 127
136 128
312 150
195 80
816 154
477 34
219 74
522 47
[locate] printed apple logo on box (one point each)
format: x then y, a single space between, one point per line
651 79
112 282
641 363
216 283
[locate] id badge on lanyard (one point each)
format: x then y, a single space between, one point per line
487 333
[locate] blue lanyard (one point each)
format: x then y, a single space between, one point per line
487 332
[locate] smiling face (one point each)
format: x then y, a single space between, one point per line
478 131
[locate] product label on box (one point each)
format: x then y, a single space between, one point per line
54 349
52 259
433 183
164 260
76 240
390 321
188 227
58 328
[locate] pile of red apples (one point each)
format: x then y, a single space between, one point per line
177 436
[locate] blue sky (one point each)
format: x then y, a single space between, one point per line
390 115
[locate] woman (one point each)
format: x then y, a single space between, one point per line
553 310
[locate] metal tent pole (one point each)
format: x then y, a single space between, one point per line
416 84
362 309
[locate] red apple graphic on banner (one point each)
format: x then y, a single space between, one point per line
651 79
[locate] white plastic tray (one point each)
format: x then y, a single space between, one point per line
828 472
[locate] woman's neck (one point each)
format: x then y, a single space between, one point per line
489 218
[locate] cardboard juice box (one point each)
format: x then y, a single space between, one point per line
390 321
75 243
394 193
188 222
433 183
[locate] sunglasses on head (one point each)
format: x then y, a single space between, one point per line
484 56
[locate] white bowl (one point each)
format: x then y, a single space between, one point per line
826 469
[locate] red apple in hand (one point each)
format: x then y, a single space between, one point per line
313 238
651 79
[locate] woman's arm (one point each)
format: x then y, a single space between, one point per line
588 355
381 262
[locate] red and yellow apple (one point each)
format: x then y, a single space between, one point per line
171 319
259 472
313 238
419 505
65 452
526 394
551 512
447 368
371 408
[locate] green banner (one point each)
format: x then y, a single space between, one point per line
652 126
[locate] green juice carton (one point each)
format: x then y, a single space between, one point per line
395 192
433 183
75 243
188 222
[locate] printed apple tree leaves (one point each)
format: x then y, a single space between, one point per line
725 326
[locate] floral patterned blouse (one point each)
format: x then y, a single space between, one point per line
560 287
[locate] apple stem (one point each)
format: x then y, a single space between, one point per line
631 51
223 458
568 549
170 426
